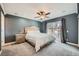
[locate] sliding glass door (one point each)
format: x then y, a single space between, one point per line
55 29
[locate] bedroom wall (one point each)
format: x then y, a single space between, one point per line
43 27
71 27
14 24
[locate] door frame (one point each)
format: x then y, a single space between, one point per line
2 29
2 18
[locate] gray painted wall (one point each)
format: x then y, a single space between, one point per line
71 26
15 24
43 27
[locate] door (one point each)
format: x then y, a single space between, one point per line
55 29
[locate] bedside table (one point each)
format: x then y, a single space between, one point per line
20 38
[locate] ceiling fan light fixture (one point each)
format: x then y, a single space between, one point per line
42 14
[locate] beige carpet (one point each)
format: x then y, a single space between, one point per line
54 49
23 49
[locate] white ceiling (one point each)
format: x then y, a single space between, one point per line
28 10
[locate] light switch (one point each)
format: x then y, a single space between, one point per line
67 31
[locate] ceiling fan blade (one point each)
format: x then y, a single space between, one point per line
38 13
47 13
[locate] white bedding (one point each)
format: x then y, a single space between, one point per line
39 39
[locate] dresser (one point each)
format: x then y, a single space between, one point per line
20 38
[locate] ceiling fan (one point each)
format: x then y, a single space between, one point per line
42 15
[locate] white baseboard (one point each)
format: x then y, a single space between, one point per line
9 43
76 45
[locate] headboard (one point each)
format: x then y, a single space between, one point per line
31 28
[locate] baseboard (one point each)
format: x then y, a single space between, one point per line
6 44
76 45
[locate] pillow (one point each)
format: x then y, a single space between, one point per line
31 29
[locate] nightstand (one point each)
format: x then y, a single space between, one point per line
20 38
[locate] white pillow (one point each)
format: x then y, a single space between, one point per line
32 29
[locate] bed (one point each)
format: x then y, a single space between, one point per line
38 39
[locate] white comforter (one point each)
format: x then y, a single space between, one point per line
39 39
